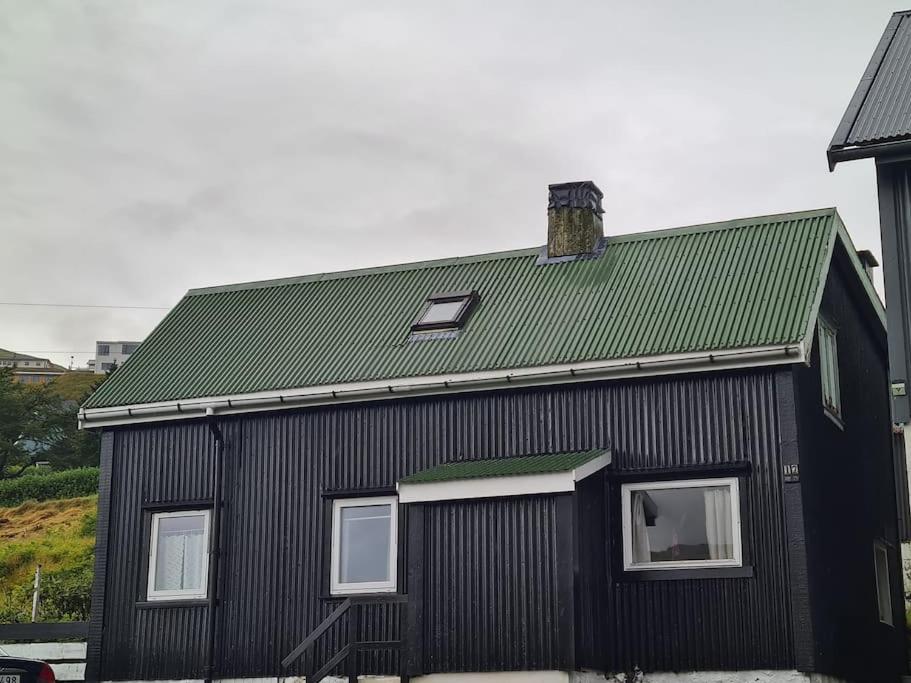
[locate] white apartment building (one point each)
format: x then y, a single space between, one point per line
111 353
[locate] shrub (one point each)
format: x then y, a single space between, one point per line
89 522
66 595
64 484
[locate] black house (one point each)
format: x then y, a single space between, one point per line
666 450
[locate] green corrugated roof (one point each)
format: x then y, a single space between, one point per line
503 467
742 283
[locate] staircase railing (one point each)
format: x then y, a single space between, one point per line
349 652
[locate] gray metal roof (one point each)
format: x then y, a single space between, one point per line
878 117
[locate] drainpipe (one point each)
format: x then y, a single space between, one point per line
214 542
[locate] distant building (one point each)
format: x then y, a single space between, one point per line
109 354
29 369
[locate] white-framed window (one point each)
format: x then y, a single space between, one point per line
364 545
103 350
828 367
693 523
179 555
883 585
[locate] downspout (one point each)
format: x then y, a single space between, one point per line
214 543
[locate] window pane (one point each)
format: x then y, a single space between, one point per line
883 599
676 525
442 312
365 539
180 553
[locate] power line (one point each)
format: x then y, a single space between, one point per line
23 303
55 351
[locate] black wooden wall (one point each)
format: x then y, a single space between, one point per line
278 466
848 487
704 623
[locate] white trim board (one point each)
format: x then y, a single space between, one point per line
587 371
497 487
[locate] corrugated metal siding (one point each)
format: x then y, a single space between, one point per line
157 464
736 284
848 489
276 521
734 623
490 585
902 497
894 185
593 587
885 114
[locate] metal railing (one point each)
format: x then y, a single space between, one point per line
348 654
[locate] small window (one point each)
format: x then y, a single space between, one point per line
104 350
364 545
445 311
179 555
828 364
681 524
883 587
127 349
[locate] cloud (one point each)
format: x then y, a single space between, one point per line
146 148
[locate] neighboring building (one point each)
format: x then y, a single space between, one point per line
29 369
111 354
877 125
665 450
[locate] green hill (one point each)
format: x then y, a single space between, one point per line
60 536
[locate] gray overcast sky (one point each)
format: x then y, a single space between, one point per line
151 146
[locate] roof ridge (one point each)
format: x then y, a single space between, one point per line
719 226
369 270
512 253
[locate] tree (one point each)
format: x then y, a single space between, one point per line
36 423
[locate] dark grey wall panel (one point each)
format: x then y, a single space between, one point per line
848 484
894 187
593 589
151 464
96 622
168 643
490 585
273 576
902 494
729 623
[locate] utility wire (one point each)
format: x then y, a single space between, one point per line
55 351
22 303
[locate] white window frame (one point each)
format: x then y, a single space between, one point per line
828 367
180 594
881 550
348 588
626 516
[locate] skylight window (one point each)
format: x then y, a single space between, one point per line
446 311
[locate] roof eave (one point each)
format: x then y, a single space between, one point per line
839 140
702 361
879 151
526 484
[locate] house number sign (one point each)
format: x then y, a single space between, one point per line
791 473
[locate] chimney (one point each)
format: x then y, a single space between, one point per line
573 218
868 261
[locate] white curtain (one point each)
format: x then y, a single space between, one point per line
718 523
182 555
642 551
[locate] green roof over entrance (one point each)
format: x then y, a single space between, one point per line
504 467
738 284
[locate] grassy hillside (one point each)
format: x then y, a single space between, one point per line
60 536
